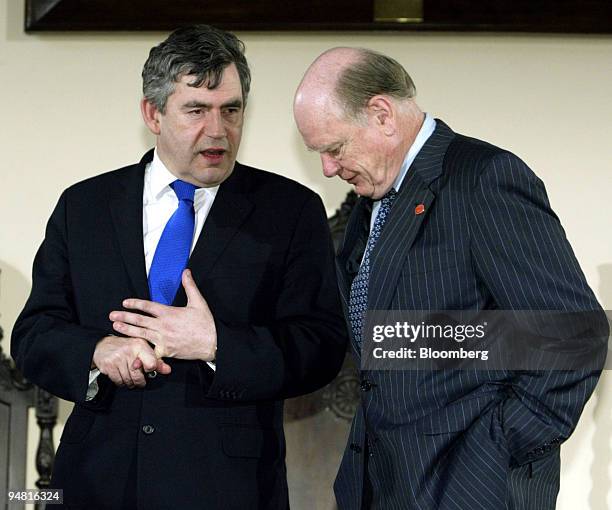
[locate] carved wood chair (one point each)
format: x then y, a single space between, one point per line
16 397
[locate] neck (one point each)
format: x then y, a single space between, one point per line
410 127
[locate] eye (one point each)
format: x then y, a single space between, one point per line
195 112
230 111
335 152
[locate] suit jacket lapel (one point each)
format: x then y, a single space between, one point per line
231 208
390 255
397 237
126 212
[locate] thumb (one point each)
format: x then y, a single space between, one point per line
194 298
159 352
163 367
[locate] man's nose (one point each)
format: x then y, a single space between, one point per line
330 166
214 127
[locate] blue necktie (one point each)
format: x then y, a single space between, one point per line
358 299
172 252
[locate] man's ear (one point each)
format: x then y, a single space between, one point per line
151 116
380 109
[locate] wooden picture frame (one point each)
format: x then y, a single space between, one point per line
556 16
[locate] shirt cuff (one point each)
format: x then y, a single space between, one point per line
92 389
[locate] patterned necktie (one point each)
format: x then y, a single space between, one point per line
358 300
172 252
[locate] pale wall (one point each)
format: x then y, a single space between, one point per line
70 110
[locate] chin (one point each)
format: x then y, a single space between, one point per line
362 191
212 176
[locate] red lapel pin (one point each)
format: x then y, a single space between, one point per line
419 209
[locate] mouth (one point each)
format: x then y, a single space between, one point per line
213 154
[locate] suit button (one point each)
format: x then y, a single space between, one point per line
355 447
152 374
366 385
148 429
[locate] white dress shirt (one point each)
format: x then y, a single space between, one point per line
159 201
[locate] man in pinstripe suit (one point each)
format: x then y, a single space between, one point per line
467 226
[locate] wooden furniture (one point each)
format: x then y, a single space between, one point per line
560 16
16 396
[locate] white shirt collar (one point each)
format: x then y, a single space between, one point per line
428 127
160 178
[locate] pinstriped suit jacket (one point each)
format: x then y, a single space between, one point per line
463 440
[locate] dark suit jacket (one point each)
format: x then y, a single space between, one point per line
264 263
451 439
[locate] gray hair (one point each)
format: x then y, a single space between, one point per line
371 74
201 51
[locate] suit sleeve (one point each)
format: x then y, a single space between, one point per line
303 350
522 256
48 345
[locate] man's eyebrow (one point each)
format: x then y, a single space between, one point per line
232 103
326 148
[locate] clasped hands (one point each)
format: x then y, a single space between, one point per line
165 332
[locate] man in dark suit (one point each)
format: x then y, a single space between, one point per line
177 374
443 222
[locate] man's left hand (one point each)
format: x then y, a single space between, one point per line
177 332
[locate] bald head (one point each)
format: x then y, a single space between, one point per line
318 86
345 79
354 106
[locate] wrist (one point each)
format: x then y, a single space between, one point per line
210 351
96 350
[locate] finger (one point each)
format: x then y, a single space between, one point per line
135 319
124 370
160 352
121 369
137 363
163 367
147 358
114 375
150 307
135 331
194 297
138 378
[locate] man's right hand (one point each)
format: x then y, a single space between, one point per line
123 360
